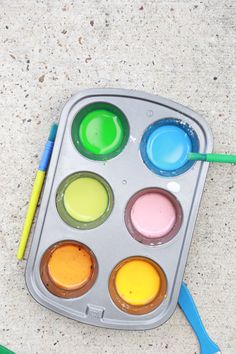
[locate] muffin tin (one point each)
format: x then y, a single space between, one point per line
118 209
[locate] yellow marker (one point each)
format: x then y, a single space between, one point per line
85 199
70 266
38 183
137 282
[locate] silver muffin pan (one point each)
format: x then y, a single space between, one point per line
111 242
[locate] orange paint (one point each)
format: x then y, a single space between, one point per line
70 266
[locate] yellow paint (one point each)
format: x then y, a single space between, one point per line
137 282
70 266
85 199
38 183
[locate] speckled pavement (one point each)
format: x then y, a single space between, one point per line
183 50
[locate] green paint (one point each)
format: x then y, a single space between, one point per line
100 131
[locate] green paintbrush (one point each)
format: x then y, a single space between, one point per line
212 157
4 350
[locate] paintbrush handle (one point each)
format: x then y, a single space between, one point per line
223 158
189 308
38 183
4 350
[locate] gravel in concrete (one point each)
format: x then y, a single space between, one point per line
183 50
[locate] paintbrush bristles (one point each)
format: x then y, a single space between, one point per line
53 132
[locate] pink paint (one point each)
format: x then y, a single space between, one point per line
153 215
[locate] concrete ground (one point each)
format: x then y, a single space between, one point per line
183 50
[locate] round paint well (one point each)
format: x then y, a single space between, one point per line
68 269
153 216
100 131
137 285
165 146
84 200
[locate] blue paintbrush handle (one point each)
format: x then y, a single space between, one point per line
44 162
189 308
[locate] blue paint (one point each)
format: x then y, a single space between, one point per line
168 147
165 146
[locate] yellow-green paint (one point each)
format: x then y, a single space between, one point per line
86 203
30 212
85 199
137 282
